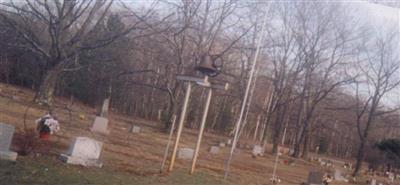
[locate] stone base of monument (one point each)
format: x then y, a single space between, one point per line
8 155
100 125
80 161
185 153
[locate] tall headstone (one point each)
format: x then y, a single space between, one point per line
100 125
104 108
84 151
315 178
6 135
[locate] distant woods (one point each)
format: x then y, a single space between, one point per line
324 82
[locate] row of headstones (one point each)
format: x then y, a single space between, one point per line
84 151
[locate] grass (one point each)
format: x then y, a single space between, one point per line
49 171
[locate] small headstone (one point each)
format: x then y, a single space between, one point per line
100 125
84 151
185 153
373 182
104 108
6 135
135 129
338 176
214 149
257 150
315 178
229 142
221 144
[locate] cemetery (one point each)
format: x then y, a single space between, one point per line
199 92
77 145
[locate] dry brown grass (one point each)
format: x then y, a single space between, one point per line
141 154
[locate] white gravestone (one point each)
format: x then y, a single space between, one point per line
135 129
257 150
221 144
185 153
373 182
214 149
6 134
229 142
338 176
100 125
104 108
84 151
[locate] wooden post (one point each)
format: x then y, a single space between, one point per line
203 123
169 141
180 126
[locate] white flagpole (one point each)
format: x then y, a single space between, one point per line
238 123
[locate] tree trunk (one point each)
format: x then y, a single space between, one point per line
359 159
306 145
47 86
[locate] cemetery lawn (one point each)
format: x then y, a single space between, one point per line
128 158
48 171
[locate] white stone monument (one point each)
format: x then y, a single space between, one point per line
257 150
100 125
135 129
338 176
104 107
214 149
185 153
6 135
84 151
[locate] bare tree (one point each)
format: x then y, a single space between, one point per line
378 65
59 31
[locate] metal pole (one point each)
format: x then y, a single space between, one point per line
180 126
275 166
260 40
169 142
203 123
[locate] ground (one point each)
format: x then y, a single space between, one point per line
128 158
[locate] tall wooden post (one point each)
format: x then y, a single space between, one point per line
203 123
180 126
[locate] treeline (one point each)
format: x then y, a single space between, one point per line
320 85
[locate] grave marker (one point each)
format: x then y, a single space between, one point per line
84 151
257 150
6 134
100 125
214 149
135 129
315 178
185 153
104 107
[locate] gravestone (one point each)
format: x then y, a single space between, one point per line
315 178
104 108
338 176
373 182
221 144
6 134
100 125
84 151
257 150
214 149
135 129
229 142
185 153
